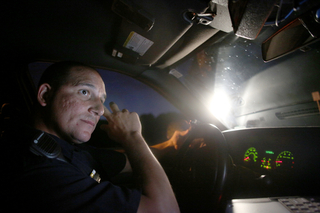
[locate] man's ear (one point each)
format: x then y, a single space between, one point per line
43 94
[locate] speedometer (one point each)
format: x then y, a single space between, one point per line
285 160
251 155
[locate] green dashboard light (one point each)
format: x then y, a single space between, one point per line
285 160
266 163
251 155
270 152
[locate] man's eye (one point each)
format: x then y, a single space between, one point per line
84 92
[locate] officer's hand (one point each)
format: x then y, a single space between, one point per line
122 125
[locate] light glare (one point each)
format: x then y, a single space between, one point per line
220 105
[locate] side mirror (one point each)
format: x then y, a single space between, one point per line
297 34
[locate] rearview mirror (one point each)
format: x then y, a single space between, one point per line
297 34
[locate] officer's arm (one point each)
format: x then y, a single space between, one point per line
125 128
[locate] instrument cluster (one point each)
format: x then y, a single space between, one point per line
268 159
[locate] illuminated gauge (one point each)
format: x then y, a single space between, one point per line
251 155
266 163
285 160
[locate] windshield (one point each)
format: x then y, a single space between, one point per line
241 90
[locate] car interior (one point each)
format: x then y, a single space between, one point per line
245 73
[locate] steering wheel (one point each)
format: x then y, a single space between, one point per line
200 173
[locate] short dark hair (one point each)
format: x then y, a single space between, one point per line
58 73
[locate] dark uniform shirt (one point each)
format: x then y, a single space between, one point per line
40 184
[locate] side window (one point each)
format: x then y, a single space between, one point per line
155 111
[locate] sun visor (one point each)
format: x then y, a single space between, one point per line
222 20
249 16
147 33
244 17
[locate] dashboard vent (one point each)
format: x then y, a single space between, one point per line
297 113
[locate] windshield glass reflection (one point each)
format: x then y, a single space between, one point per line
241 90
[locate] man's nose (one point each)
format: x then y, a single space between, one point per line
97 108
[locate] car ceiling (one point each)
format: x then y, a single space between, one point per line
62 30
87 31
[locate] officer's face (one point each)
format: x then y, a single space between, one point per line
78 105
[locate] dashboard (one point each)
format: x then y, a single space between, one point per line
276 161
268 159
